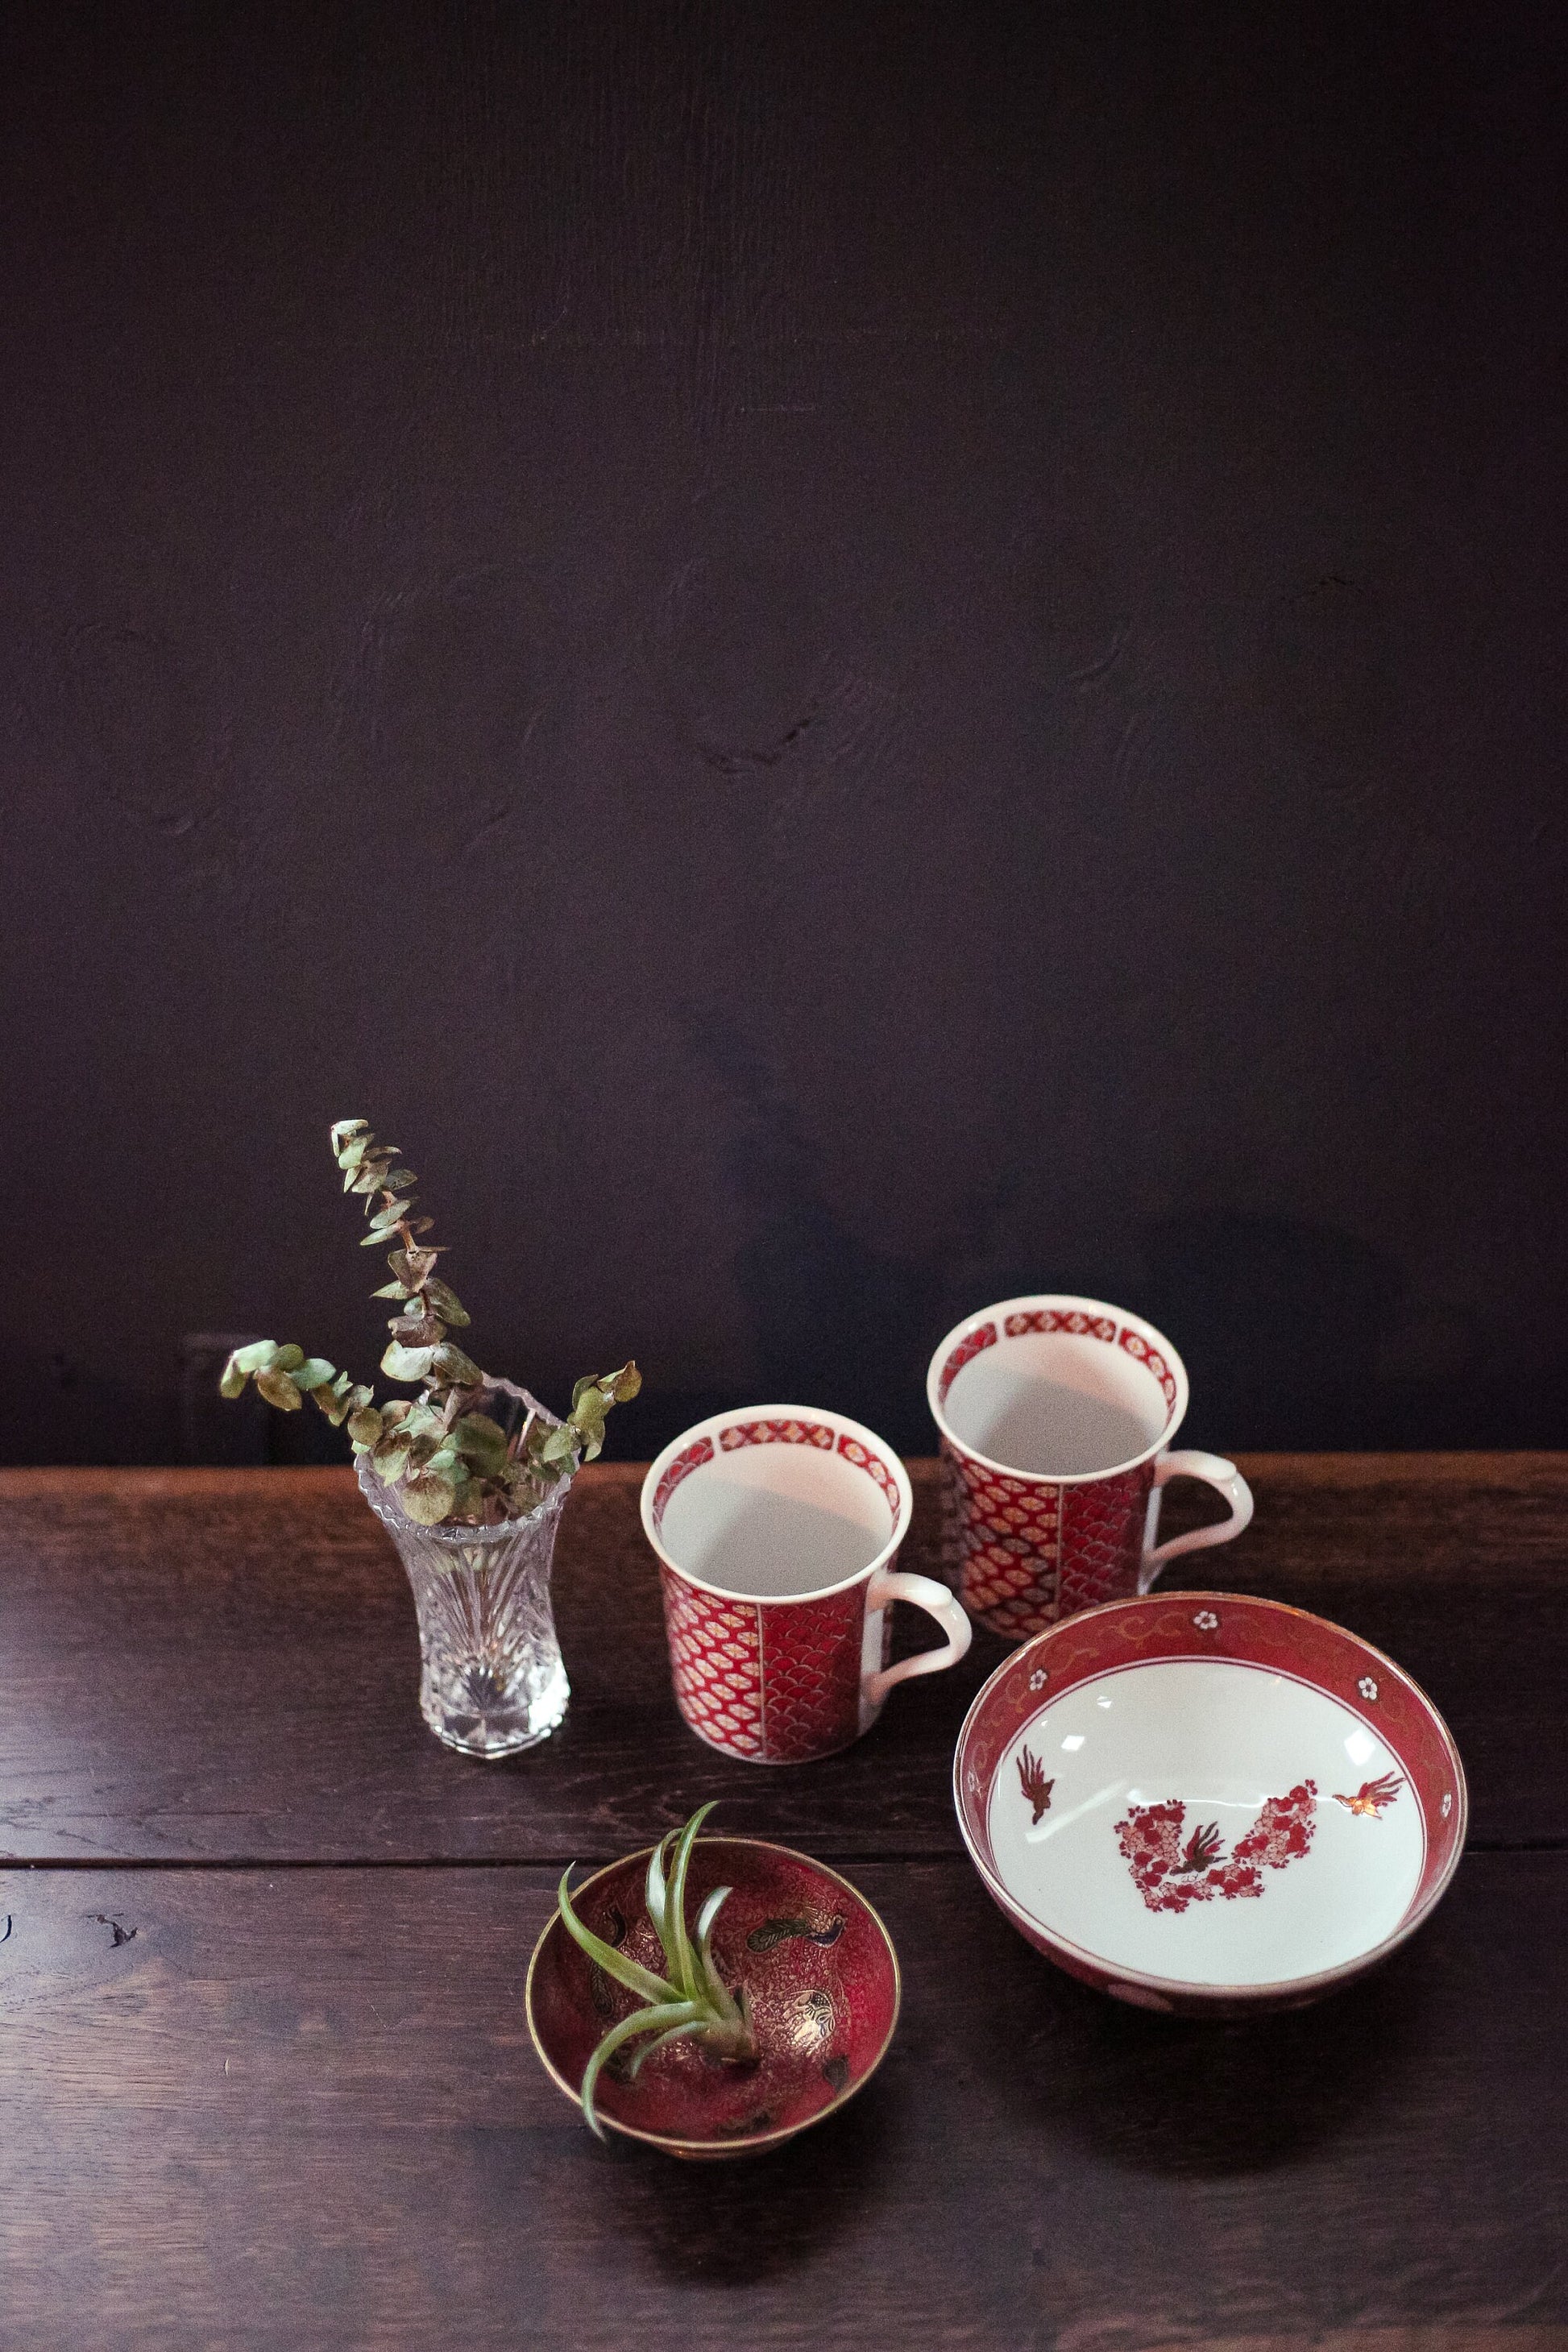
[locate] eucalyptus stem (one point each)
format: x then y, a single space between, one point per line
449 1460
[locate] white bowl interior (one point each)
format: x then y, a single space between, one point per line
1292 1879
775 1521
1059 1403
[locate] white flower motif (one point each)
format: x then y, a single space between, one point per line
973 1781
1447 1802
1037 1679
1206 1621
1367 1687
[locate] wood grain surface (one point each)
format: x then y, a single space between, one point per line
219 1665
266 2078
301 2108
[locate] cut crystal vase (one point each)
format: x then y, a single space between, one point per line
491 1681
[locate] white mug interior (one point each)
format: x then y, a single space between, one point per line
780 1519
1059 1403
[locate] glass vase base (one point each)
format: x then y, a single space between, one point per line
500 1730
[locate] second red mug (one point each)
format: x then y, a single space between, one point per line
1055 1416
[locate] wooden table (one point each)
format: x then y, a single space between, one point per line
267 2080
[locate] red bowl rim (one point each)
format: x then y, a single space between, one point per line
729 2146
1281 1991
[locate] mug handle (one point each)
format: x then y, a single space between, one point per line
896 1584
1217 1472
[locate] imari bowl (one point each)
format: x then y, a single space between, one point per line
816 1960
1207 1803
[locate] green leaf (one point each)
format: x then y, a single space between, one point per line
617 1964
580 1391
279 1389
445 1301
389 1463
393 1290
450 1362
232 1382
365 1425
561 1445
289 1358
718 1991
671 2033
315 1372
682 2014
428 1499
256 1357
656 1891
687 1978
627 1384
401 1363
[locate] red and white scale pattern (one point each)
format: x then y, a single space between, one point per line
1021 1552
777 1681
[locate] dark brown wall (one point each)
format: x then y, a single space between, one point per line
839 658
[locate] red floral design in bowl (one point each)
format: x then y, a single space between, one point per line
814 1957
1208 1803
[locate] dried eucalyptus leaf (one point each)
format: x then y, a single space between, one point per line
335 1407
365 1425
288 1359
479 1436
279 1389
427 1500
396 1411
627 1384
389 1462
450 1362
393 1290
400 1180
256 1357
445 1301
401 1363
232 1382
343 1130
560 1446
315 1372
417 1330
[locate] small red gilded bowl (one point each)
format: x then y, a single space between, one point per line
1207 1803
814 1958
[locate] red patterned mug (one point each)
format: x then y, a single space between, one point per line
776 1529
1056 1417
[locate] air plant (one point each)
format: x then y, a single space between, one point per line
693 1999
446 1457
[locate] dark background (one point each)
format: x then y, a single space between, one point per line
840 660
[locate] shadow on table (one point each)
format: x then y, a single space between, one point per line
1173 2095
733 2223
